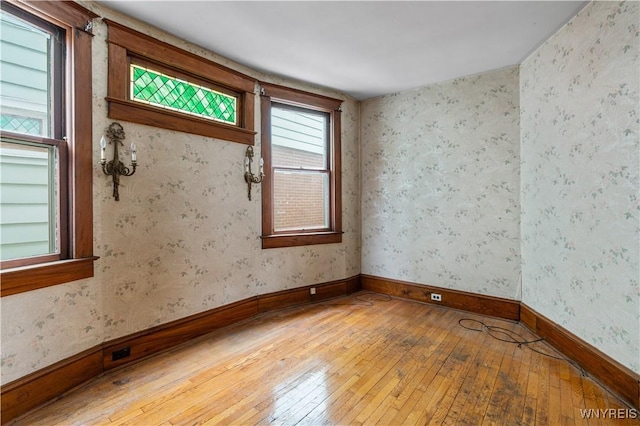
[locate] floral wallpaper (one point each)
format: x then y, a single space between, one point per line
444 185
44 326
440 185
580 179
183 238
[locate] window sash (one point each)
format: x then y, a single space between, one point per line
301 136
326 194
53 118
57 196
307 212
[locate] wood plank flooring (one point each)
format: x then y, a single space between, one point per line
363 359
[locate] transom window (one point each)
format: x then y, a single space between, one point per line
160 85
155 88
301 199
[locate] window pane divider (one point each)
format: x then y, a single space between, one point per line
300 169
20 138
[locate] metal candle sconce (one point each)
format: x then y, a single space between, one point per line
249 177
116 168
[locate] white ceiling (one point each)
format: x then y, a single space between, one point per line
363 48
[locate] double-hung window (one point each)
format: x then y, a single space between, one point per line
32 151
301 149
45 151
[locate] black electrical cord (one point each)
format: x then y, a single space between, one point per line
511 336
499 333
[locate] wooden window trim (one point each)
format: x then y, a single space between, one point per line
125 43
20 280
79 263
272 93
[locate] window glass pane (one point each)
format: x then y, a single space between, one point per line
158 89
25 83
27 200
300 200
298 139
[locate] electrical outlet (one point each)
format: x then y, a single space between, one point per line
437 297
122 353
312 290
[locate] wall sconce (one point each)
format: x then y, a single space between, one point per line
249 177
116 168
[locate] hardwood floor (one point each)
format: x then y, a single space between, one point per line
364 359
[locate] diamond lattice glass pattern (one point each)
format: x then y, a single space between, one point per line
168 92
25 125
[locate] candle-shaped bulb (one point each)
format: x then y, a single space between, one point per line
246 164
261 165
133 152
103 147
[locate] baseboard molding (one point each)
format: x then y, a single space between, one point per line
166 336
33 390
471 302
26 393
618 378
302 295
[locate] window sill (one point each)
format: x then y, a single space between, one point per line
27 278
294 240
120 109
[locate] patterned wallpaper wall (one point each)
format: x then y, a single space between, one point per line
440 185
183 238
580 180
440 203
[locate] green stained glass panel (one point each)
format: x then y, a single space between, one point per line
168 92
